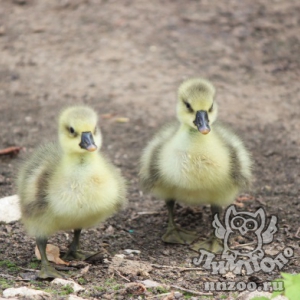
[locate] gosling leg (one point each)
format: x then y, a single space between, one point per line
47 271
175 234
74 253
212 243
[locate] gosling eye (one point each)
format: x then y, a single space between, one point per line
211 108
188 106
71 130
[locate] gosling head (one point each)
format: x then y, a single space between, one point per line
78 131
196 107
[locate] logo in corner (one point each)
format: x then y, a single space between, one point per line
247 257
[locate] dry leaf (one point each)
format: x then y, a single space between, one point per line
171 296
84 270
52 253
229 275
245 198
239 204
135 288
239 201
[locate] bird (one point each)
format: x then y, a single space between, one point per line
195 160
69 184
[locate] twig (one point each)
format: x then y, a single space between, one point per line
150 212
294 257
193 269
7 276
260 200
160 295
143 213
10 150
82 272
171 267
191 291
243 245
297 236
29 270
181 269
17 279
286 226
118 273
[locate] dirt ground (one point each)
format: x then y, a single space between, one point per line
126 59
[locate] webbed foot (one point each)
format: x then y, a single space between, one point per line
177 235
84 255
76 255
212 244
80 255
48 271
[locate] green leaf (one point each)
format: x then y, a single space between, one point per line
291 286
260 298
287 276
293 292
276 293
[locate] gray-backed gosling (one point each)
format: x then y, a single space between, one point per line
69 184
195 161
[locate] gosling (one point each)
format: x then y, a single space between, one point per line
69 185
195 161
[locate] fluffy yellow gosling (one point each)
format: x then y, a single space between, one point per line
69 184
195 160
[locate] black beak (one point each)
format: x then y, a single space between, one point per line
87 141
202 121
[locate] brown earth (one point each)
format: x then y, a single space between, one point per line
126 59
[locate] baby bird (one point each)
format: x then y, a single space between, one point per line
195 161
69 184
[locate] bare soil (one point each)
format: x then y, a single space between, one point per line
126 59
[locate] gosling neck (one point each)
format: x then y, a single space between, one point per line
193 132
80 158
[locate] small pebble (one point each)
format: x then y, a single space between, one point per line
130 251
178 295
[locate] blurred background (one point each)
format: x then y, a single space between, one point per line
127 58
